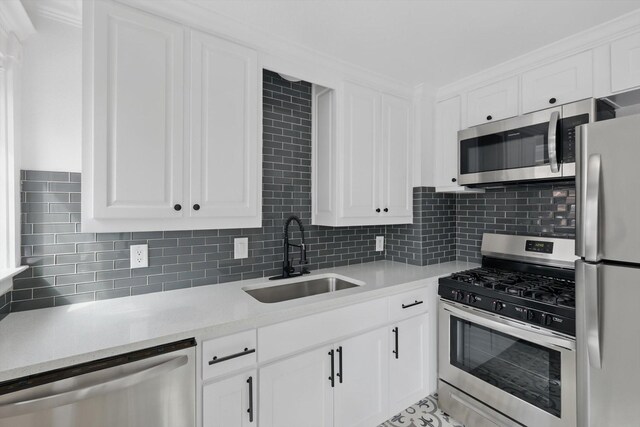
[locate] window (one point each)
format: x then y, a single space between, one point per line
14 27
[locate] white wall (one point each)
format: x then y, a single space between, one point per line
52 97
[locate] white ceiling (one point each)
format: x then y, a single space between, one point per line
416 41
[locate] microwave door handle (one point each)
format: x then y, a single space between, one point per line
552 142
593 313
591 213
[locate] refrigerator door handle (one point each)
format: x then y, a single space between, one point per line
593 313
552 142
591 223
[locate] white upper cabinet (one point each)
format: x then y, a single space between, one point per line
560 82
397 155
149 163
493 102
225 148
362 173
447 126
138 92
361 154
625 63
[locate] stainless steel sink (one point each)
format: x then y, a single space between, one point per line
301 289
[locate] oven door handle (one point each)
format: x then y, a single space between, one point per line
552 142
509 327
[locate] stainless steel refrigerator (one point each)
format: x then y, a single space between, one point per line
608 272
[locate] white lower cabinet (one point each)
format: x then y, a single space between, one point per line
409 362
361 386
344 385
297 391
231 402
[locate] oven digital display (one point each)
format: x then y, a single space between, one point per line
539 246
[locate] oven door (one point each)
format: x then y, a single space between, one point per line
518 149
524 373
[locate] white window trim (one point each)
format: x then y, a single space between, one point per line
15 27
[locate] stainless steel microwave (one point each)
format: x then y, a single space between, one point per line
534 146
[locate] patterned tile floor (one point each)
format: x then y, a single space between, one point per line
423 414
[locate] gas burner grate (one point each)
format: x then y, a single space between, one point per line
549 290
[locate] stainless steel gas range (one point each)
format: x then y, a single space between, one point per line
506 335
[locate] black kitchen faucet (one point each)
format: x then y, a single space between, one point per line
287 269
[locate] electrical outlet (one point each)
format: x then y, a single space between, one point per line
379 243
240 247
139 256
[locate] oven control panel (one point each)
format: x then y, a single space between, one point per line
511 309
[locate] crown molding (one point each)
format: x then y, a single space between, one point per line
576 43
67 12
14 19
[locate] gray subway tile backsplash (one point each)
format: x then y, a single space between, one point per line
69 266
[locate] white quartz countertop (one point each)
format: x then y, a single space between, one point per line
41 340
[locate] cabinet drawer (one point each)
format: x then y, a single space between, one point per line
409 304
227 354
299 334
558 83
493 102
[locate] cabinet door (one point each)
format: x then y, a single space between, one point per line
297 391
397 160
361 391
408 369
230 402
446 142
137 113
625 63
496 101
225 148
361 153
558 83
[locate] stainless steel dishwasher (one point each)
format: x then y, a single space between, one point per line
154 387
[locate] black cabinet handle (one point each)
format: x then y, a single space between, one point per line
412 304
552 101
250 410
340 363
395 332
378 210
386 209
333 384
177 207
489 117
453 180
196 207
217 359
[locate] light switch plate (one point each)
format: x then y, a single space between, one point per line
139 256
241 247
379 243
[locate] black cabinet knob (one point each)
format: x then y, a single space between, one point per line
453 180
552 101
196 207
386 209
378 210
489 117
177 207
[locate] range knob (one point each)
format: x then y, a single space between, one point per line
547 319
497 305
531 314
471 298
459 296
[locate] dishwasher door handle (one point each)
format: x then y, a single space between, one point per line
60 399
